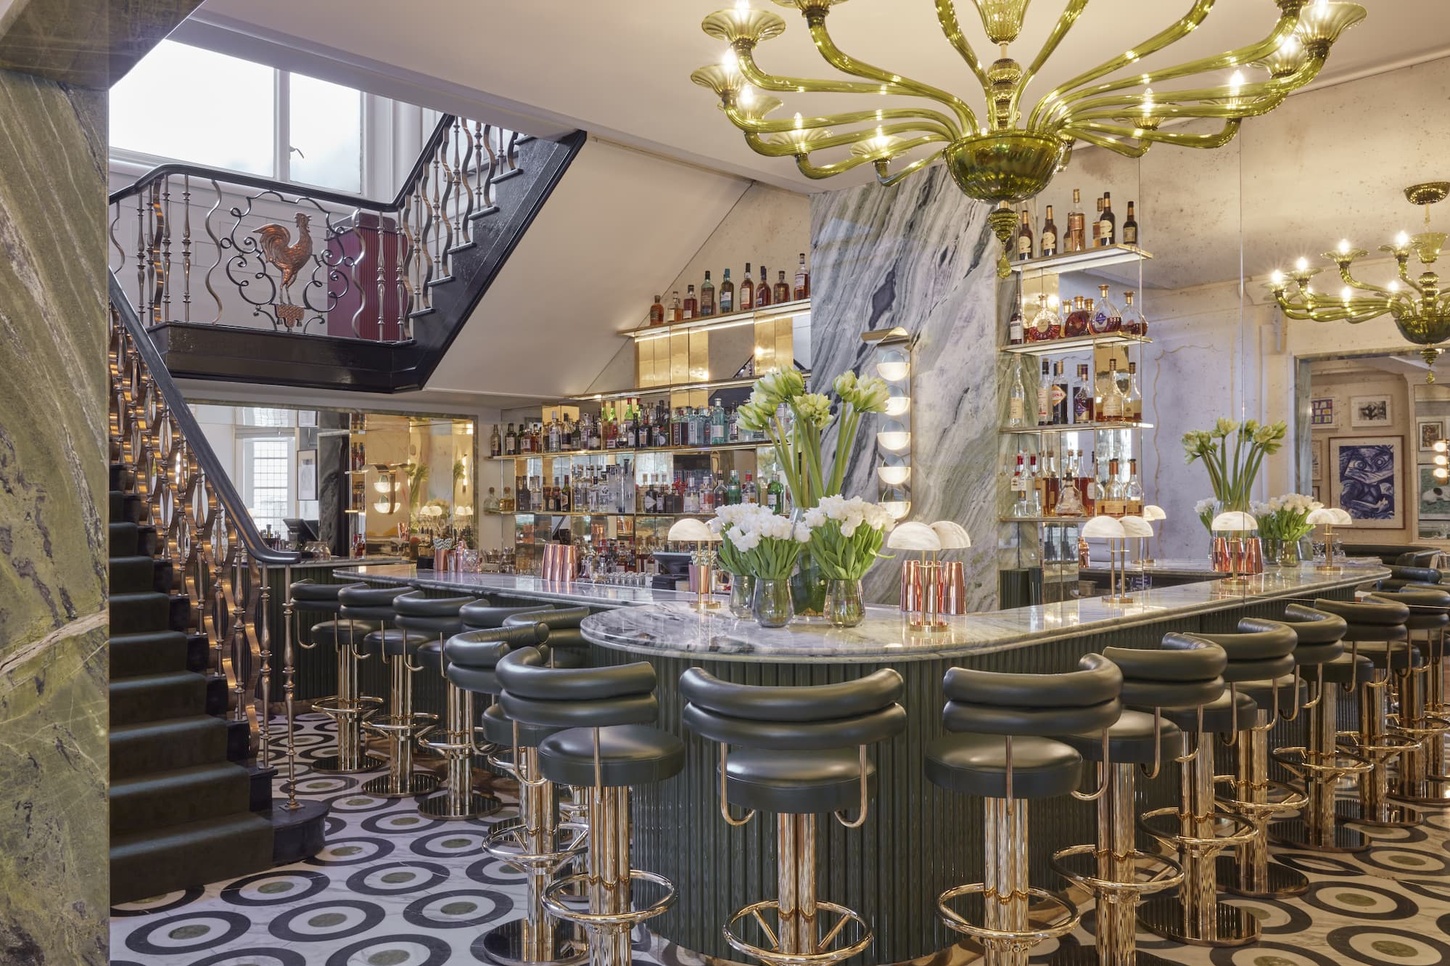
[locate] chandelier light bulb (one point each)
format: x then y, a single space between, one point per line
897 405
1402 240
746 97
1277 279
742 6
1394 285
1346 294
1442 460
894 441
1440 446
1302 264
1236 83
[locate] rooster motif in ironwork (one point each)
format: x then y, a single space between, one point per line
278 248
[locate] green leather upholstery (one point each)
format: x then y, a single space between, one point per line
482 614
563 624
1320 634
977 765
364 603
1369 620
1132 740
628 755
310 595
1260 650
1348 670
499 729
341 632
1226 714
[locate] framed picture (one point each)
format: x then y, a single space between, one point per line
1322 414
1429 432
1367 480
1369 412
1314 492
306 417
307 474
1434 496
1316 460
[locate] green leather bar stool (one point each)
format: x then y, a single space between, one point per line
797 752
1001 748
1420 778
348 707
1196 828
374 605
1113 868
1261 647
607 746
1376 630
458 742
1320 762
1402 576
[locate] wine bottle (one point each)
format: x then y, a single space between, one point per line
1015 332
1130 227
727 294
803 278
747 290
1024 237
1049 235
1107 223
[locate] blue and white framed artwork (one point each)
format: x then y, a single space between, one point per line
1367 480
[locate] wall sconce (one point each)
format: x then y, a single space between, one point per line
891 357
1442 461
386 486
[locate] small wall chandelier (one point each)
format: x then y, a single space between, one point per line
1419 307
997 158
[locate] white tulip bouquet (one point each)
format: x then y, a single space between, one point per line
758 541
846 535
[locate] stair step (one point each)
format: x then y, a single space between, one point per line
216 694
239 740
125 539
126 507
120 477
137 613
157 697
180 617
198 653
140 574
117 512
161 800
299 833
151 652
155 746
151 863
261 786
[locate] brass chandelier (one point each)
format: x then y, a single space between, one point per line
1420 308
995 157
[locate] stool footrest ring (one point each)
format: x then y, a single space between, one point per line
826 949
1244 831
445 747
417 720
1170 873
1435 725
333 706
1296 759
505 842
564 897
1291 800
1065 921
1389 745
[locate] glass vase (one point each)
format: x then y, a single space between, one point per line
771 605
844 604
808 584
742 596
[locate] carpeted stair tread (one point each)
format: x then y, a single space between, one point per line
151 863
154 746
161 800
149 652
126 507
135 575
158 697
125 539
134 613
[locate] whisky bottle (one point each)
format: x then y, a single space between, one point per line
1049 235
1133 491
1112 488
1107 223
747 290
657 312
1098 225
727 294
692 304
1105 318
781 292
1015 333
510 442
1082 397
1017 399
1045 324
762 290
677 310
1059 396
1044 397
495 442
1076 225
707 297
1130 227
1024 238
802 280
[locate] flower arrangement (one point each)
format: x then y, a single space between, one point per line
763 543
846 535
1232 476
1285 517
730 558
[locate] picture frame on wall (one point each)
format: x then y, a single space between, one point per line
307 474
1316 461
1434 496
1371 412
1366 478
1322 414
1429 432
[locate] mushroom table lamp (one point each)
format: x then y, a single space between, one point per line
952 577
1111 530
1236 555
1329 517
691 530
920 579
1153 514
1137 528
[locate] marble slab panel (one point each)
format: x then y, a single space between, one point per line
90 43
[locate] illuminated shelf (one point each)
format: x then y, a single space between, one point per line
1069 428
596 513
708 323
1042 519
1055 346
1084 261
697 386
573 453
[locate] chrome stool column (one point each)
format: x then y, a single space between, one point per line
1195 827
348 708
607 746
799 752
1421 778
1001 748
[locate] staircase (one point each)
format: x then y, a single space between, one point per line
180 801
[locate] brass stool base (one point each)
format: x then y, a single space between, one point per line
1088 956
331 765
1438 796
1283 881
1293 833
1164 916
1395 816
505 946
417 784
440 806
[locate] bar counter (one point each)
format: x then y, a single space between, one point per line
918 839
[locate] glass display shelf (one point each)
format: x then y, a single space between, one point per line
1083 261
696 386
1011 519
1076 343
1070 428
594 513
769 313
573 453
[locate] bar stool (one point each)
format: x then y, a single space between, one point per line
373 605
1113 867
1320 763
1002 750
348 708
800 752
1195 828
1261 647
1421 778
1402 577
607 746
1376 630
565 631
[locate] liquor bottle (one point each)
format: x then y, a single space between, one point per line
775 496
1076 225
747 290
510 442
1098 225
1107 223
1082 397
1051 486
1133 321
718 426
677 427
551 439
707 297
803 280
1112 488
762 290
1017 399
1133 397
1086 478
1106 317
732 489
748 491
692 304
1077 320
1111 408
1133 491
1130 227
1034 487
1018 486
1015 333
677 310
727 294
526 498
1044 397
1046 325
1024 238
1069 499
781 292
1059 397
657 312
1049 235
720 497
566 495
495 442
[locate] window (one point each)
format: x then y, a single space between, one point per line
267 479
189 104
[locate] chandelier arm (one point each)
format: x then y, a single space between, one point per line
1346 273
1182 139
1116 145
1059 31
896 82
1404 273
793 85
1251 100
834 168
915 166
933 121
784 148
946 15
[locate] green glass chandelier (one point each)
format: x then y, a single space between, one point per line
996 156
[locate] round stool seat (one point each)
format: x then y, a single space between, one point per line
1262 692
1347 669
1219 717
797 782
346 631
498 728
395 640
1388 655
977 765
430 656
1132 740
628 755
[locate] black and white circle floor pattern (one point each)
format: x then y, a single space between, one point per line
396 888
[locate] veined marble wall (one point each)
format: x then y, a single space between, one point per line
54 885
921 256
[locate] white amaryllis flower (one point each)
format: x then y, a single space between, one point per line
1203 506
815 408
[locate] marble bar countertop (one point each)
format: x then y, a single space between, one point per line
579 592
1192 567
342 562
677 630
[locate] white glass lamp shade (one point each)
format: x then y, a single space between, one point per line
384 485
1103 528
953 535
1153 512
897 508
1341 517
1135 526
690 530
893 474
1234 521
897 405
465 511
1321 517
894 441
913 536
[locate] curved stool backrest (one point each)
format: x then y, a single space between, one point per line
1046 705
1369 620
1402 575
483 613
563 624
471 658
431 615
310 595
1186 674
598 697
1320 634
860 712
1429 606
363 603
